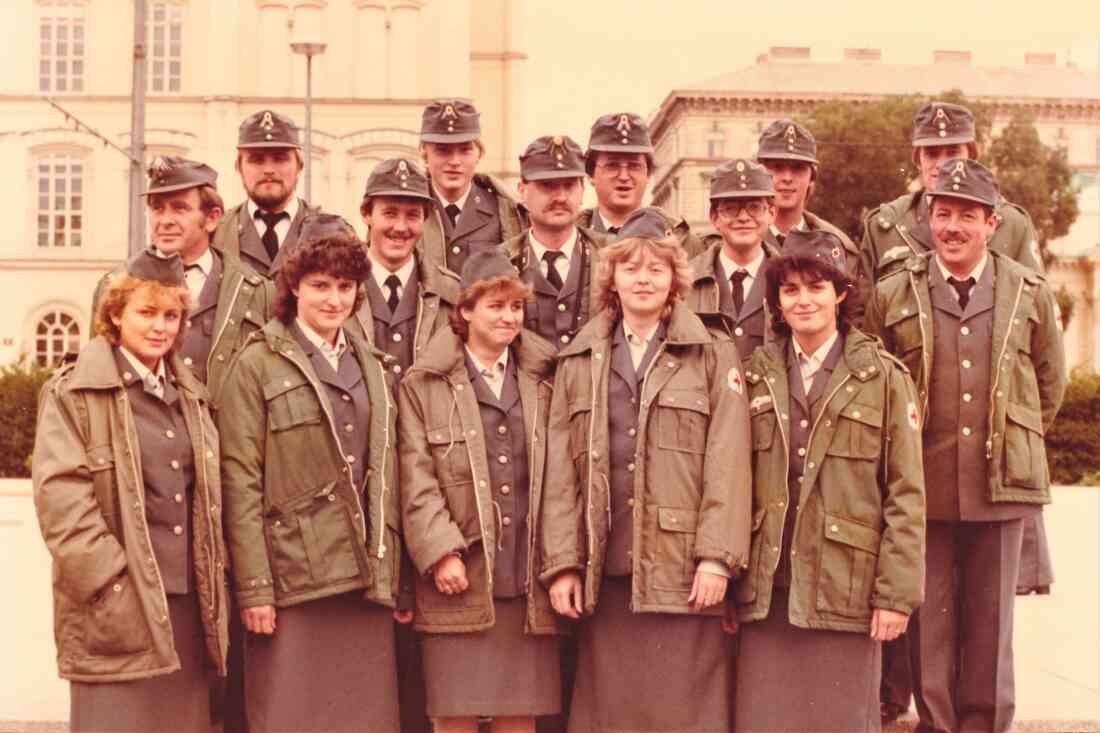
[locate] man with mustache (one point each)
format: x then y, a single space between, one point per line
473 211
555 256
979 334
269 159
619 163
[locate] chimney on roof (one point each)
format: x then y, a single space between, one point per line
863 54
951 57
1040 59
789 53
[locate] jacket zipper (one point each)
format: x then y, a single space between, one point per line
207 512
591 478
925 356
385 453
786 467
997 372
477 497
530 521
228 312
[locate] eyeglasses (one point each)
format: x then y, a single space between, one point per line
733 209
633 168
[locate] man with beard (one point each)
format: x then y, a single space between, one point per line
619 163
555 256
473 211
269 159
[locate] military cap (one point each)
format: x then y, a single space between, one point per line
624 132
268 129
171 173
549 157
786 140
645 223
942 123
486 264
816 244
148 264
398 177
450 121
324 226
962 178
741 179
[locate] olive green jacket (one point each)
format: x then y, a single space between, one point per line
433 240
111 620
858 538
704 297
692 487
692 244
296 526
446 501
1025 393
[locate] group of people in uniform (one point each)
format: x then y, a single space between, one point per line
513 463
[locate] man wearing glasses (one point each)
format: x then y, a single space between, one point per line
619 162
727 276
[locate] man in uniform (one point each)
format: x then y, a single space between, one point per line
789 152
473 211
619 163
978 332
555 256
269 159
727 276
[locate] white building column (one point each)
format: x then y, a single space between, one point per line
403 49
273 48
370 49
452 46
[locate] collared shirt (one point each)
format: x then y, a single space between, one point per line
331 353
283 227
403 273
600 224
460 203
196 273
976 273
801 226
154 379
810 364
562 263
753 268
637 345
493 375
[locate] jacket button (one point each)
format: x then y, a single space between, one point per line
351 459
178 498
455 250
349 428
833 528
564 338
781 504
632 432
332 497
738 331
221 357
965 330
118 588
595 454
630 501
174 464
396 368
803 423
966 363
209 454
507 521
856 415
502 429
801 451
169 434
345 397
502 459
505 489
630 467
966 431
188 361
397 337
286 382
248 314
561 307
810 464
967 397
177 530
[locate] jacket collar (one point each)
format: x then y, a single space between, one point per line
684 329
95 368
445 355
705 264
859 355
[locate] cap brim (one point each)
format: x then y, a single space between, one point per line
748 193
403 193
176 187
787 156
268 144
927 142
553 175
646 149
456 137
963 196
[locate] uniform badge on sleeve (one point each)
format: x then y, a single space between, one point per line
914 416
736 383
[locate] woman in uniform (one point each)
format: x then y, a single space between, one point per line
473 417
128 496
837 557
311 500
646 513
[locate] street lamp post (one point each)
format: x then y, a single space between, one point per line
306 40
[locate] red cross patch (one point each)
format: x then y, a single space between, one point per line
914 416
736 383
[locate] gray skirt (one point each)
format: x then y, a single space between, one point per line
649 671
794 679
329 666
179 701
499 671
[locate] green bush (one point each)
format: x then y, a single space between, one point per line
19 389
1073 443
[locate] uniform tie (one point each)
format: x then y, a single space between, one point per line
737 287
393 283
613 230
550 257
962 287
270 237
452 213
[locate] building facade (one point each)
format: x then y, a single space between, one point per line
211 63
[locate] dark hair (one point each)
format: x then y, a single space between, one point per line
512 286
342 257
777 269
591 155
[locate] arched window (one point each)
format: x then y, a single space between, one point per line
56 334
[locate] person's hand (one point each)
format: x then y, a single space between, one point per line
730 624
403 616
707 590
259 619
450 575
888 625
567 594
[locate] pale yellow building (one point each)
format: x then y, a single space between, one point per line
211 63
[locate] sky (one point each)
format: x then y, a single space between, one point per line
616 55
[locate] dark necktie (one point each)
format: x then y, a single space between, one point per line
962 287
737 287
552 275
613 230
452 213
779 239
393 283
270 237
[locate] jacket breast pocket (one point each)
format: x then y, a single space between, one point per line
858 433
580 423
675 550
763 426
849 557
449 454
1025 461
902 324
682 419
116 623
291 401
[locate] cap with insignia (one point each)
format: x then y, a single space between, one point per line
398 177
787 140
148 264
486 264
624 132
268 129
741 178
450 121
645 223
325 226
818 245
942 123
963 178
171 173
556 156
